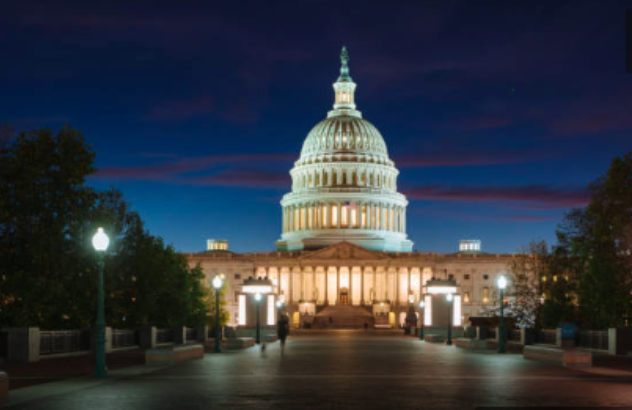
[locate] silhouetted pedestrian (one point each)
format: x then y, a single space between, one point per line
282 330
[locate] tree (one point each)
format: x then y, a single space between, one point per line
42 193
48 266
527 270
598 242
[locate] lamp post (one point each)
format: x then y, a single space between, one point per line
258 299
449 298
423 320
217 284
100 242
502 284
257 287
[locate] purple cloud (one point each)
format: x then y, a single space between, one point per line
556 197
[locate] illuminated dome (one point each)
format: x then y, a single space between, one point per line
349 137
344 186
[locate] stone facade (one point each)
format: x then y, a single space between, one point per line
356 276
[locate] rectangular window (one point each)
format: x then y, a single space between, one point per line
428 310
237 276
271 316
334 215
485 295
456 311
343 216
241 319
466 297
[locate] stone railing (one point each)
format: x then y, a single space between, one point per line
63 341
514 335
594 339
124 338
32 344
547 336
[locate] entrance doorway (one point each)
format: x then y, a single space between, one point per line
344 297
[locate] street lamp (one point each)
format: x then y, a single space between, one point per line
423 319
217 284
100 242
502 284
258 299
257 287
449 298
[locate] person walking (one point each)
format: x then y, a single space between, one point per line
282 331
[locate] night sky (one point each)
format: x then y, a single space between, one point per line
497 114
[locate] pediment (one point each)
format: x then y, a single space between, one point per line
345 250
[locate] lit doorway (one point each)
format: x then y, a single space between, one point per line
344 296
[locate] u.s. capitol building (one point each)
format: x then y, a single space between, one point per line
344 250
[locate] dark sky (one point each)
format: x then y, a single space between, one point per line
498 114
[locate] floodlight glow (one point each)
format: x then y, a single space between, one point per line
449 297
257 289
258 297
100 240
411 299
422 304
217 282
441 289
502 282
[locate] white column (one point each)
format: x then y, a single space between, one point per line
404 220
362 285
290 210
350 288
337 284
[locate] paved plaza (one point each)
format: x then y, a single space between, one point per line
338 370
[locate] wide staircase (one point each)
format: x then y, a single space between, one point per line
343 317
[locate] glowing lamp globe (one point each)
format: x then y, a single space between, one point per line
502 282
422 304
258 297
217 282
449 297
100 241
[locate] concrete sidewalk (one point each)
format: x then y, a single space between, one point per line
29 374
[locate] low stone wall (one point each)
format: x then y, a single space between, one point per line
510 346
470 343
174 354
4 388
270 338
434 338
565 357
231 343
240 342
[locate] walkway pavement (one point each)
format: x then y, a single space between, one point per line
48 370
344 370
